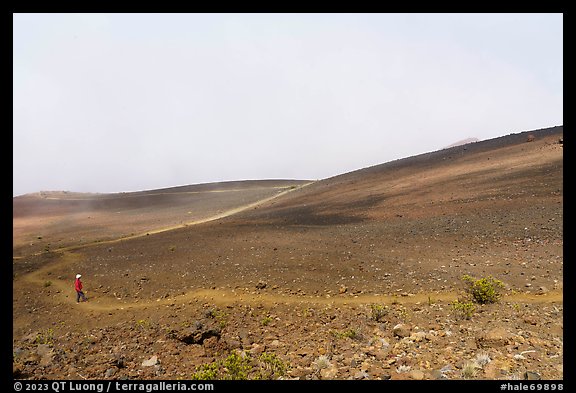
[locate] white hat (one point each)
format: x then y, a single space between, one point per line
78 275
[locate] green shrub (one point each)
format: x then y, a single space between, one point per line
348 333
219 316
271 366
378 312
45 337
484 290
403 314
47 284
143 324
463 310
236 367
241 367
206 372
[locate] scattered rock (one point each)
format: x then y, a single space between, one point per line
117 360
417 375
531 319
46 355
17 370
260 285
378 354
401 330
538 342
437 374
214 345
329 373
494 338
542 290
200 331
31 358
532 376
245 337
361 374
418 336
43 349
257 349
304 351
31 338
233 344
150 362
385 376
299 372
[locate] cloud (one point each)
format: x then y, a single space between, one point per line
122 102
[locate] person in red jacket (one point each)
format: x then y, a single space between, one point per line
78 287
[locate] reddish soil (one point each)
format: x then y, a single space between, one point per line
288 267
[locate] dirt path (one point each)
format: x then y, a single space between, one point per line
102 303
215 217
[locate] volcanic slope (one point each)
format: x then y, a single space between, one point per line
299 275
54 220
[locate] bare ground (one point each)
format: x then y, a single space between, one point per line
296 272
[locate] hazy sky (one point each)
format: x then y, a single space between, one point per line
129 102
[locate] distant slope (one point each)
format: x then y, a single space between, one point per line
446 179
448 176
53 219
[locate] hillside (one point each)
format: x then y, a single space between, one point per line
351 277
52 220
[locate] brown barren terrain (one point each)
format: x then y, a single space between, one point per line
351 277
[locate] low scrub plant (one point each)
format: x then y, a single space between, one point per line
266 320
143 324
206 372
378 312
463 310
219 316
236 366
45 337
348 333
242 366
271 366
482 359
484 290
469 370
321 362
